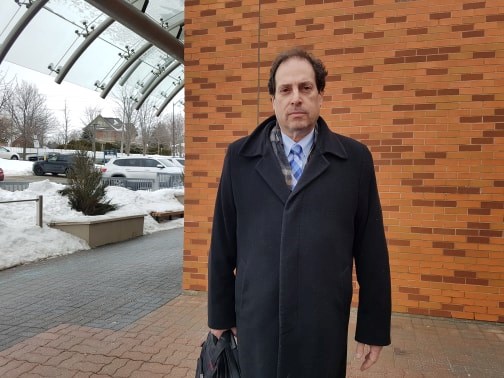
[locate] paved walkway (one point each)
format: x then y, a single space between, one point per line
118 311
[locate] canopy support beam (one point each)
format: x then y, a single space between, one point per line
169 98
20 26
90 38
132 18
124 68
158 81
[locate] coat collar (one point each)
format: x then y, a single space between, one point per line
258 143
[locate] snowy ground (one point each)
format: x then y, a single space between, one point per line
22 241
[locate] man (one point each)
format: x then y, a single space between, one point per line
288 225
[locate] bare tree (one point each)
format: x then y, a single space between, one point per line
160 135
7 132
74 135
90 114
46 123
146 123
179 134
66 124
5 92
125 111
170 132
29 114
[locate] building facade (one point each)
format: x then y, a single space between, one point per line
106 129
420 82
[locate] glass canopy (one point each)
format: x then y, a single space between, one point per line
74 41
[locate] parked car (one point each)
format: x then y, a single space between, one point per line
140 167
55 164
1 174
5 153
175 161
34 157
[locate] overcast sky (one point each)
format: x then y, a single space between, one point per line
78 98
56 32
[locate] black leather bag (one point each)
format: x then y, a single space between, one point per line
218 357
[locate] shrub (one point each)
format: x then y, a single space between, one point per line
86 191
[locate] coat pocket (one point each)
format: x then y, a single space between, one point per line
345 289
240 286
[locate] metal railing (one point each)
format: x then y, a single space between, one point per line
169 180
132 184
39 207
13 186
162 181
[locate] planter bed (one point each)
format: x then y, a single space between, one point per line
97 232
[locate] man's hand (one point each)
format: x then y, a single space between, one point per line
370 358
218 332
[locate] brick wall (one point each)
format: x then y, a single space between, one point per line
421 82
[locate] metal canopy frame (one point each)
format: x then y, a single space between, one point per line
88 40
156 82
127 64
131 17
170 97
22 23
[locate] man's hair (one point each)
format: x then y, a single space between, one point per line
318 67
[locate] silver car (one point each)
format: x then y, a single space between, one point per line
5 153
141 167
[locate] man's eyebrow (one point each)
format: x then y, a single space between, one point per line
307 82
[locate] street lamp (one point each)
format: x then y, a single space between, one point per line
180 101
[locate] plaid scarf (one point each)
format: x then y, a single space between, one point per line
279 150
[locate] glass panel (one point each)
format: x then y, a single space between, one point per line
60 28
48 37
10 14
95 64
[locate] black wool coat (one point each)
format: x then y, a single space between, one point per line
280 263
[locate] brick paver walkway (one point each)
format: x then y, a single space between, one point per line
164 342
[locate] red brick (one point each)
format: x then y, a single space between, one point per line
418 84
439 16
474 5
396 19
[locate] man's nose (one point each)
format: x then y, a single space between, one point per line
296 98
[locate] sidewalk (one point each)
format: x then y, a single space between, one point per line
117 311
166 342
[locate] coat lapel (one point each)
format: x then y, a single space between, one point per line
269 170
327 143
315 167
258 145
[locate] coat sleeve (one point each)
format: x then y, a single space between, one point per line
371 262
222 257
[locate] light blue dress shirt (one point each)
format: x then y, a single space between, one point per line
305 143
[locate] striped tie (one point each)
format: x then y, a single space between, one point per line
296 163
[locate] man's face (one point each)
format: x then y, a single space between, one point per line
296 101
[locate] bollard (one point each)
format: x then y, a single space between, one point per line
39 211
